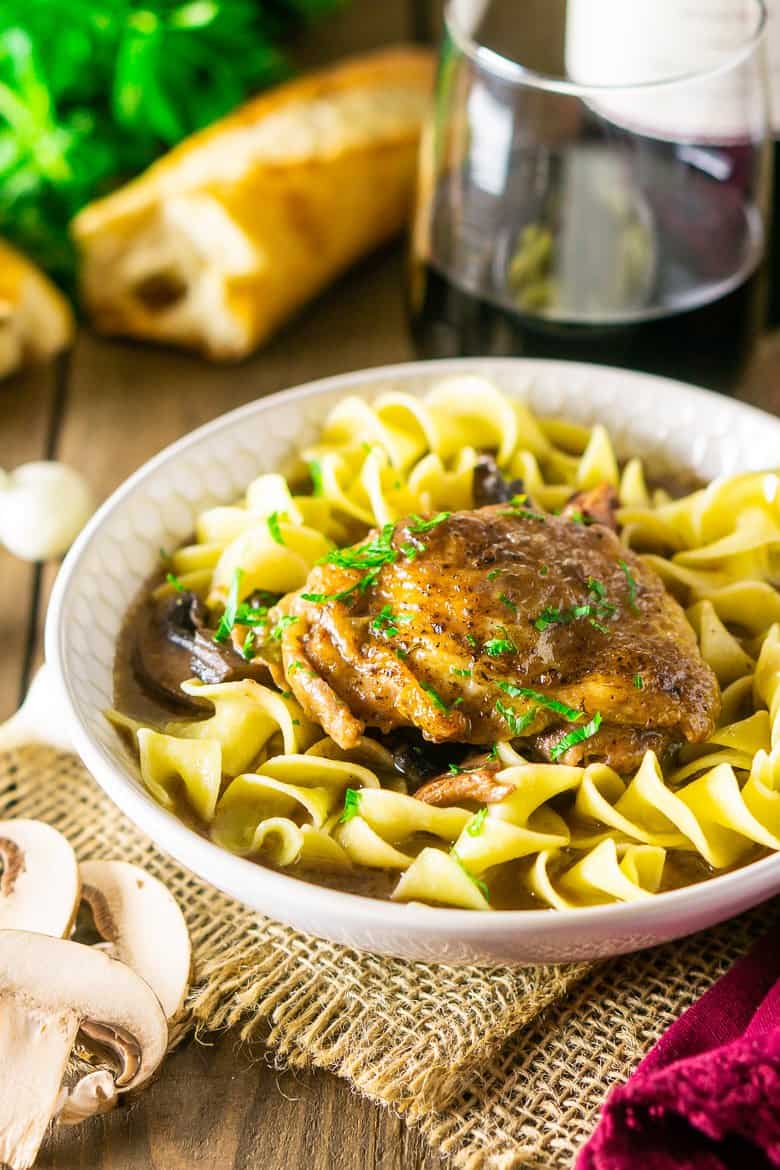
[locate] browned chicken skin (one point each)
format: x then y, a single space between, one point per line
466 610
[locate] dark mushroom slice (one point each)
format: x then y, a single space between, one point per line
173 643
491 486
478 784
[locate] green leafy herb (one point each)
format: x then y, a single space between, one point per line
402 654
273 526
173 580
570 713
493 752
228 619
461 672
421 525
598 626
371 555
453 769
516 723
481 886
92 92
493 574
410 551
632 586
248 648
281 626
386 622
477 823
577 736
516 508
287 695
508 602
351 805
496 646
437 699
597 588
578 517
545 569
638 682
165 556
317 482
472 641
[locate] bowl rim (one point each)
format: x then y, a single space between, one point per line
230 872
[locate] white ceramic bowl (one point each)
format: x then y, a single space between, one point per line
671 424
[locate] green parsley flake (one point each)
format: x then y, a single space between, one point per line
570 713
437 699
453 769
508 602
516 723
164 554
315 473
472 641
248 649
410 551
576 736
228 619
493 574
638 682
402 654
477 823
386 622
496 646
421 525
351 805
545 569
481 886
460 672
273 526
577 517
493 752
516 508
281 626
632 586
596 588
172 579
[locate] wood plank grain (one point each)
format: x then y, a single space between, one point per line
26 411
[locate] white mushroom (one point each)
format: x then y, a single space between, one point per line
50 990
43 507
95 1093
40 883
142 926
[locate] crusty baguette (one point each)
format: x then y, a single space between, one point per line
35 318
221 240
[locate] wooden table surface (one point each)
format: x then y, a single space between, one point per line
106 408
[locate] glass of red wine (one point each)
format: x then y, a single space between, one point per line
594 183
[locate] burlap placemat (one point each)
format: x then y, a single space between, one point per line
501 1068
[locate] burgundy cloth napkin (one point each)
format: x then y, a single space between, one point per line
707 1097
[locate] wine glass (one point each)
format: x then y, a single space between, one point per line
594 183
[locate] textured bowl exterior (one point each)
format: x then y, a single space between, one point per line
669 423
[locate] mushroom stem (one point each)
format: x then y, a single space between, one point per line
34 1050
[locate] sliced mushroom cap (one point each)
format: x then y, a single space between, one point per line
142 926
50 989
93 1094
40 884
478 784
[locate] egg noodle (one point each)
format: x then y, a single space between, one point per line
264 782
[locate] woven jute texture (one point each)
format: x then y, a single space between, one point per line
501 1068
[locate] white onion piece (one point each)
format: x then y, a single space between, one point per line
43 507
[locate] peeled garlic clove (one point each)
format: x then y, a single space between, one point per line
43 507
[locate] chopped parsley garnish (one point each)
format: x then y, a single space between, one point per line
576 736
294 667
481 886
281 626
164 554
638 682
286 695
477 823
410 551
596 588
315 473
248 648
515 509
437 699
493 752
632 586
386 622
570 713
598 626
545 569
493 574
228 619
472 641
351 805
402 654
496 646
508 602
516 723
460 672
551 616
421 525
172 579
578 517
273 526
453 769
372 555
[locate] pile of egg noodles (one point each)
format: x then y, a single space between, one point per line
265 783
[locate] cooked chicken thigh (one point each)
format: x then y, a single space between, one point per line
500 623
